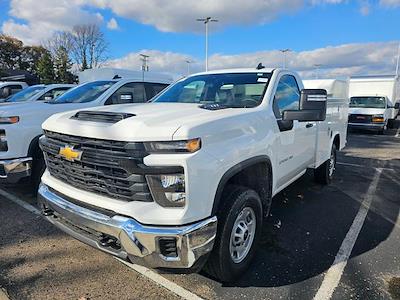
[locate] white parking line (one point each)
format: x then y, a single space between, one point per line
335 272
156 278
361 166
20 202
173 287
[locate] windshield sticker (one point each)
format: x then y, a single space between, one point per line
262 80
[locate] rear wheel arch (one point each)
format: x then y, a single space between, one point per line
254 173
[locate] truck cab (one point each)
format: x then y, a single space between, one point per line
185 181
9 88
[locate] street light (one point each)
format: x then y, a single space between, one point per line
398 58
317 66
284 51
206 21
188 66
145 67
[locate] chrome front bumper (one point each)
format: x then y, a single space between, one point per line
132 239
367 126
12 170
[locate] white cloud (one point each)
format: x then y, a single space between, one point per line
42 18
389 3
112 24
344 60
181 15
158 61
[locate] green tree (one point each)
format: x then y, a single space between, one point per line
63 65
45 68
10 52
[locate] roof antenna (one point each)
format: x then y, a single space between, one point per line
260 66
117 77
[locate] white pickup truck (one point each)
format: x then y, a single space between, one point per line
21 120
187 179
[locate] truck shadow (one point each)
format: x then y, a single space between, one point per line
308 223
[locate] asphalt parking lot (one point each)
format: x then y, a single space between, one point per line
336 242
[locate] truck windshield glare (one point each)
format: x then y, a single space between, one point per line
25 94
368 102
84 93
236 90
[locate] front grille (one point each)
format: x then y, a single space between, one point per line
110 168
357 118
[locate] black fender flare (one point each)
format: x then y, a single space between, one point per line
33 146
232 172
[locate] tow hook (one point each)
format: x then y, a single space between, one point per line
108 241
47 212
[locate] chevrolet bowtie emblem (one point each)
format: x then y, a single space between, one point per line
69 153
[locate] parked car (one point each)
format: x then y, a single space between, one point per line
374 102
39 92
187 179
9 88
20 129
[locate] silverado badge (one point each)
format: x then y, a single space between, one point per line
69 153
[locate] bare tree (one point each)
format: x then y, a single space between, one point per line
60 39
89 48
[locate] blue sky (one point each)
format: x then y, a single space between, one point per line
251 28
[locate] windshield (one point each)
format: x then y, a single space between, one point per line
25 94
230 90
368 102
84 93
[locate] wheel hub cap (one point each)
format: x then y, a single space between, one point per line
242 235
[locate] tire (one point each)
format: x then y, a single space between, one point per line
241 204
38 168
324 173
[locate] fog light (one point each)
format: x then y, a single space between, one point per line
168 190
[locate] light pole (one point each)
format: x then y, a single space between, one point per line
145 67
317 66
206 21
398 58
284 51
188 66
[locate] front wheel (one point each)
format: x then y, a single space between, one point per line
239 227
324 173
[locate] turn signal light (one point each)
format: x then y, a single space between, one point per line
378 119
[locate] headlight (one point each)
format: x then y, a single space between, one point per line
9 120
187 146
378 119
3 141
168 190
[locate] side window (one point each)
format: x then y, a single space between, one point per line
287 96
128 93
15 88
53 94
153 89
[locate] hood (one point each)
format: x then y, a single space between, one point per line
366 111
151 121
38 111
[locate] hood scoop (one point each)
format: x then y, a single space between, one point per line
101 116
213 106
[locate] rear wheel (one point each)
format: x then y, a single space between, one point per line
324 173
239 227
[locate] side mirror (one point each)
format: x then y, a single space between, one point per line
312 107
397 105
6 92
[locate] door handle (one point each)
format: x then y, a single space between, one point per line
309 125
